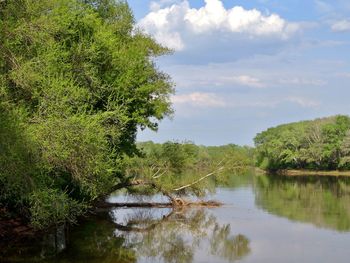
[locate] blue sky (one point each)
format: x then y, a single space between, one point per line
241 67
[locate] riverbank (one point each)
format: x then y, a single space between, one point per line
14 232
334 173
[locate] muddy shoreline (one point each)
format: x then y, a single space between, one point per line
334 173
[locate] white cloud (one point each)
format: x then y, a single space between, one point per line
156 5
212 100
162 24
279 74
323 7
200 99
302 81
343 74
303 102
341 25
175 25
244 80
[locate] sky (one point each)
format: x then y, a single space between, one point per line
241 67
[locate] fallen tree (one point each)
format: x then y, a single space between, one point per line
172 195
182 203
175 195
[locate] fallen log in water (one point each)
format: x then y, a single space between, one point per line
178 203
135 205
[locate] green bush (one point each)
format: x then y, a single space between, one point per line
50 206
18 159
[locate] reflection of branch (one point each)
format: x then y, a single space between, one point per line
135 205
177 203
129 228
166 240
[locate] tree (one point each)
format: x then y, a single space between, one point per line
317 144
345 152
83 80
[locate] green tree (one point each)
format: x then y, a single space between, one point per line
83 80
345 152
318 144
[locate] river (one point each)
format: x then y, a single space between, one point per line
264 219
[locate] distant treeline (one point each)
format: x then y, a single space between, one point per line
183 156
321 144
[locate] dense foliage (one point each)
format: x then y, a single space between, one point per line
322 144
172 165
76 82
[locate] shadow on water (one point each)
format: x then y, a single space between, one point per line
35 247
322 201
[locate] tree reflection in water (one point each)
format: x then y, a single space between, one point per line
178 235
322 201
94 242
227 246
146 235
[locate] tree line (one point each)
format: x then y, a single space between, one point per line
321 144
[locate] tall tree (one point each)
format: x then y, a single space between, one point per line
83 80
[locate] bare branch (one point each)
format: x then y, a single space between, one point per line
156 177
155 174
199 180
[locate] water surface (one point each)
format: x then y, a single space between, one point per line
264 219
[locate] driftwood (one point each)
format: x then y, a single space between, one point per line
178 203
135 205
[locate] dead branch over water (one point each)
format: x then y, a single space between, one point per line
178 203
